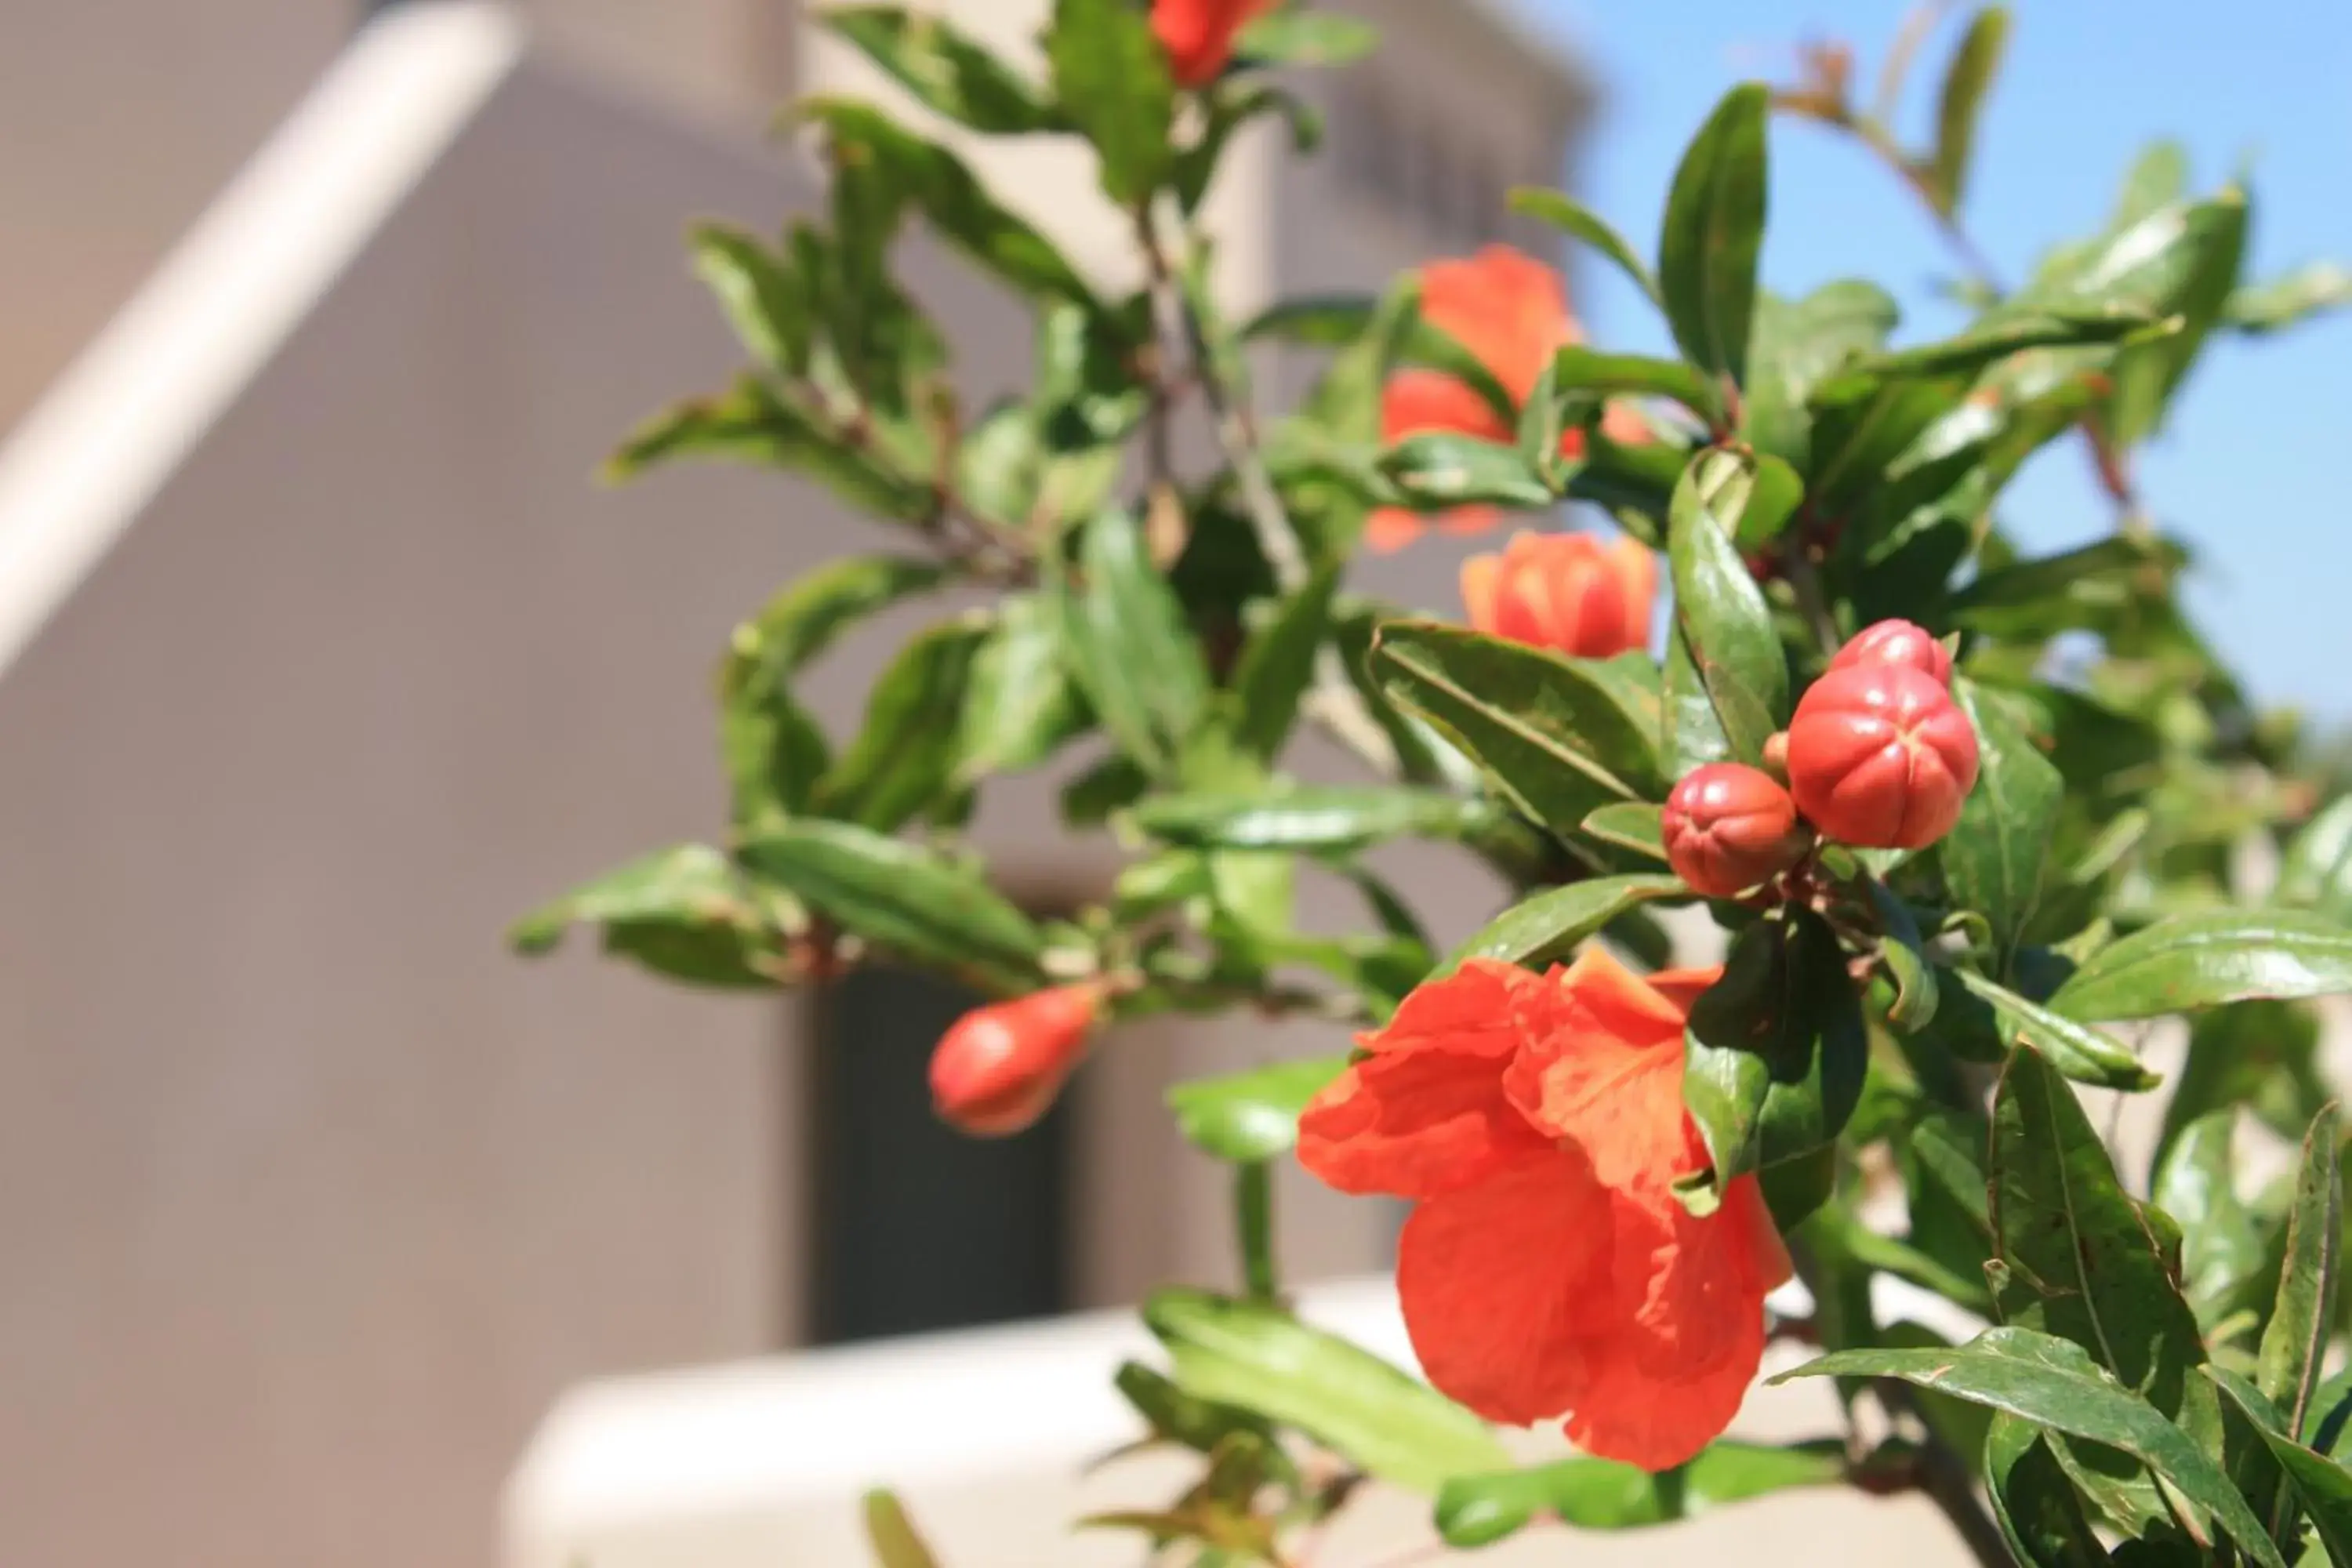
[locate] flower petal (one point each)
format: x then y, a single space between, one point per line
1495 1280
1601 1066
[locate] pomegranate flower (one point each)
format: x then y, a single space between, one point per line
1199 34
1547 1268
1567 592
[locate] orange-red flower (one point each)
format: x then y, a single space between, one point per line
1564 591
1199 34
1547 1268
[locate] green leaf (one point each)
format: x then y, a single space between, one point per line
765 301
907 752
2075 1256
1714 228
1690 734
1638 827
1579 369
2222 1254
1130 648
1260 1358
2322 1486
1983 1010
683 914
892 1534
1311 819
1279 666
774 752
1775 1052
1863 425
1111 79
951 199
1995 857
2289 300
1796 346
1579 222
2188 962
2039 1516
1548 926
1249 1115
901 897
2295 1344
2157 178
2259 1054
2147 376
1980 347
1020 704
1560 735
1439 470
1601 1494
749 424
802 621
2052 1383
1971 72
946 69
1722 613
2316 872
1903 951
1298 36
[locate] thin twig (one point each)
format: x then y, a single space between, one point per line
1334 702
1805 582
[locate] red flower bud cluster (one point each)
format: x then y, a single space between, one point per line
1878 756
998 1069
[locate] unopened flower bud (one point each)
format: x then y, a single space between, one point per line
1881 757
1776 756
998 1069
1729 827
1897 642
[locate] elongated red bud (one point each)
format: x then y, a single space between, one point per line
1729 827
1897 642
998 1069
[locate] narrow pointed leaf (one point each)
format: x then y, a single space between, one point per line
1586 1493
1962 99
2295 1344
900 897
2189 961
1995 857
1722 613
1714 229
1550 925
1579 222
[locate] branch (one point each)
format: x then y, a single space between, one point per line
1334 702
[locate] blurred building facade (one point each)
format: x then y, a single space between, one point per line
313 1198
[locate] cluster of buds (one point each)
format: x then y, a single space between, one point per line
1878 756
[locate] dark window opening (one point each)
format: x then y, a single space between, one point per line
917 1226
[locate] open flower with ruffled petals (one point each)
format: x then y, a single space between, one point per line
1199 34
1547 1268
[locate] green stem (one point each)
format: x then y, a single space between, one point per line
1254 1226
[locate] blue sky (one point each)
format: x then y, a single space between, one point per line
2254 471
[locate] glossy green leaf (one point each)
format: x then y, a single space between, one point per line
2034 1503
2321 1485
1690 735
2055 1384
1579 221
2316 871
1249 1115
1977 1009
947 70
1311 819
1996 857
1722 613
1020 704
1714 229
1863 425
1775 1052
1586 1493
1260 1358
1557 734
1298 36
2222 1255
892 1535
750 423
1903 952
1962 101
2294 1343
2189 961
2261 1055
2291 299
684 913
900 897
2077 1257
1129 645
1449 470
1110 77
1638 827
2148 376
1798 344
909 748
1279 666
1978 348
767 305
1548 926
1578 369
